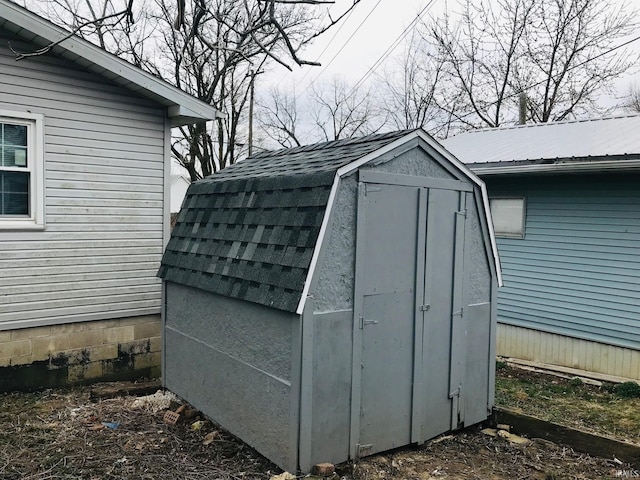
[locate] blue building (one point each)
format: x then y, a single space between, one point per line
566 209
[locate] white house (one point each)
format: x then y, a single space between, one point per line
179 185
84 210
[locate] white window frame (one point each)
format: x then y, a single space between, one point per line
503 234
35 166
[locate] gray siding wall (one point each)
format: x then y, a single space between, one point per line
233 360
577 271
326 396
477 284
104 177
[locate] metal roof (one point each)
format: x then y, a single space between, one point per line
580 145
182 108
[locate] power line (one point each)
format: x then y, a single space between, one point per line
344 22
342 47
393 45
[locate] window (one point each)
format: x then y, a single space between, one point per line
21 171
508 216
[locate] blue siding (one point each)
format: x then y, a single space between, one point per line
577 271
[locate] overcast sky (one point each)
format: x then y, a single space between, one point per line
375 25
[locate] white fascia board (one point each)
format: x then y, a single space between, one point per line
451 158
181 115
318 246
96 56
565 167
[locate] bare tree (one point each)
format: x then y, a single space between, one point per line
266 16
326 111
338 111
411 86
561 53
208 48
480 54
631 101
566 57
279 117
111 24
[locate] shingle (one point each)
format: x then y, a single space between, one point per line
258 222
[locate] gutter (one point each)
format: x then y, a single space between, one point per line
564 167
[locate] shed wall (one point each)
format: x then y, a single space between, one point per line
576 272
333 301
334 289
104 191
233 360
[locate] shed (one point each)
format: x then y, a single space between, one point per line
336 300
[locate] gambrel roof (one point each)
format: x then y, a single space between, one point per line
252 231
182 108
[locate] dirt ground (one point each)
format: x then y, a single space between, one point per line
598 408
58 434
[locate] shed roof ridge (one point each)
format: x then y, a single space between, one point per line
334 143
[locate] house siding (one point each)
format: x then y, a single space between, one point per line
567 354
104 190
576 272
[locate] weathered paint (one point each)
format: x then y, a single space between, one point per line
104 170
333 295
576 272
70 354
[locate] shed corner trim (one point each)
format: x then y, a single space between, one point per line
319 243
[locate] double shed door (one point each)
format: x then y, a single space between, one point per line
408 352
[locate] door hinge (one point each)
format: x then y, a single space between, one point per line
456 392
425 308
459 312
462 213
364 322
368 187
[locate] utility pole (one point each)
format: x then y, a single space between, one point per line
253 74
523 108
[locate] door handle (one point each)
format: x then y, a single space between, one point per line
364 322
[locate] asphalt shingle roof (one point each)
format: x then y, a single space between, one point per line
249 231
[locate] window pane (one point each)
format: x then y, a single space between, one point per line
13 145
15 135
14 193
508 216
15 157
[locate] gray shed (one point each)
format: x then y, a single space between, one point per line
335 300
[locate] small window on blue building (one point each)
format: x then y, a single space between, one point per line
508 216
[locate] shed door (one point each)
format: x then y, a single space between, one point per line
388 316
404 264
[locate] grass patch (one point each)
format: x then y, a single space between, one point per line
609 409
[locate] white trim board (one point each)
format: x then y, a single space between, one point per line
182 108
